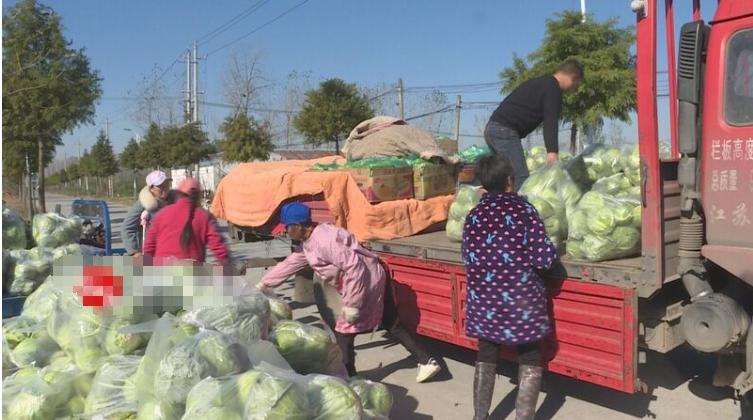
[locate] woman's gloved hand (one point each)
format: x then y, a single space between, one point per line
350 314
264 289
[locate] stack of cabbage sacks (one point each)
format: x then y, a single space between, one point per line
551 191
55 236
466 198
54 391
176 359
602 227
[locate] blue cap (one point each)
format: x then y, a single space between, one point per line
295 214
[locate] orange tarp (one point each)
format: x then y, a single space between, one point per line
251 193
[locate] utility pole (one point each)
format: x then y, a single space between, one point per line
187 96
195 83
400 99
583 11
458 107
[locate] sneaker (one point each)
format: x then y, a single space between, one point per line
427 371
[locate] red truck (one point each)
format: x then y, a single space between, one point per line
693 280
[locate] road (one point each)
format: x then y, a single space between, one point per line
679 381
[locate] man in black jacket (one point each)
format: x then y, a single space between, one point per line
535 102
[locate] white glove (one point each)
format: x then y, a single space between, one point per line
264 289
350 314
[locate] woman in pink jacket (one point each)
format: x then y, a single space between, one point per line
359 278
184 230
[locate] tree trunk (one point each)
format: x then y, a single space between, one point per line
86 183
135 188
40 175
574 139
337 145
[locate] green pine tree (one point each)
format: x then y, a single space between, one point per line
245 139
331 111
48 88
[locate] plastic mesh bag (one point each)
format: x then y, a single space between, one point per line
466 198
14 230
48 393
52 230
307 348
176 359
332 398
604 227
551 191
596 162
280 309
113 390
375 396
247 318
30 269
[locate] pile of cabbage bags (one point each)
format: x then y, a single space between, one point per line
602 227
466 198
61 359
551 191
25 269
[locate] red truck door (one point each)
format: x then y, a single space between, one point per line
727 143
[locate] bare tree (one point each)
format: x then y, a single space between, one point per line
153 104
243 80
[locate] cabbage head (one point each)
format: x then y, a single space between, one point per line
52 230
601 221
577 222
35 351
454 230
574 249
457 211
597 248
39 305
538 151
374 396
224 354
112 395
623 213
468 195
592 200
306 348
117 342
269 396
627 240
331 399
544 208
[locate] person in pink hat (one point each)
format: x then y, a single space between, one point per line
151 199
185 230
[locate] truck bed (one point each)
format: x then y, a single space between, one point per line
436 246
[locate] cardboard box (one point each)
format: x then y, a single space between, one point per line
384 184
433 180
467 173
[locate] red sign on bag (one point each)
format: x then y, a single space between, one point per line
99 286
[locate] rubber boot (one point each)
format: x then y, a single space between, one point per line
529 384
483 389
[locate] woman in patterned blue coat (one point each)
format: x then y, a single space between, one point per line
504 247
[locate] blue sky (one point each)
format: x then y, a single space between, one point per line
372 43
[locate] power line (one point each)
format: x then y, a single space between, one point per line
270 110
257 29
232 22
445 109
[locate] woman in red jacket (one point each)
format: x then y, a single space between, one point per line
184 230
